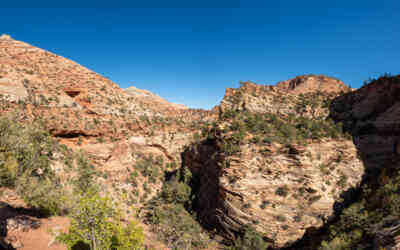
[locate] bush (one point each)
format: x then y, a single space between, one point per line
26 153
24 150
95 223
150 167
169 214
375 209
84 180
282 191
250 240
176 227
273 127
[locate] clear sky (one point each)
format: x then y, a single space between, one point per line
190 51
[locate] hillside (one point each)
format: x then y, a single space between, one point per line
130 139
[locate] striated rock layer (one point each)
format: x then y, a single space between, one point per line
371 114
279 188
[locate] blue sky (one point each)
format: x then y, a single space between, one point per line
190 51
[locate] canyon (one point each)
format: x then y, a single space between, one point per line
284 160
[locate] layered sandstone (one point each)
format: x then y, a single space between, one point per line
280 189
371 114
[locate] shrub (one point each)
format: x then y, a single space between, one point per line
281 218
264 204
95 223
282 191
274 128
150 167
26 152
250 240
376 209
86 172
169 214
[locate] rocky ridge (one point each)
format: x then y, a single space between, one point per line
74 100
283 97
148 99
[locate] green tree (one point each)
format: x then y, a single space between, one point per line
95 222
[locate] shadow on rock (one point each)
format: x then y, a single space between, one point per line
369 115
16 218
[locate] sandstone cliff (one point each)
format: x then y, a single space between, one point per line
271 163
372 221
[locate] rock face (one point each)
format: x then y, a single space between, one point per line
313 83
372 115
12 91
279 189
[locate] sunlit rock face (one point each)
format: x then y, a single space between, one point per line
280 189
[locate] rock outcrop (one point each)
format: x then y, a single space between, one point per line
279 187
281 98
279 191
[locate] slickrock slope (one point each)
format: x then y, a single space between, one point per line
273 161
147 99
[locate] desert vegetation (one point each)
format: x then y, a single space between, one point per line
27 157
172 217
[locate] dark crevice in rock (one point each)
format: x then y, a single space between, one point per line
69 135
72 93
